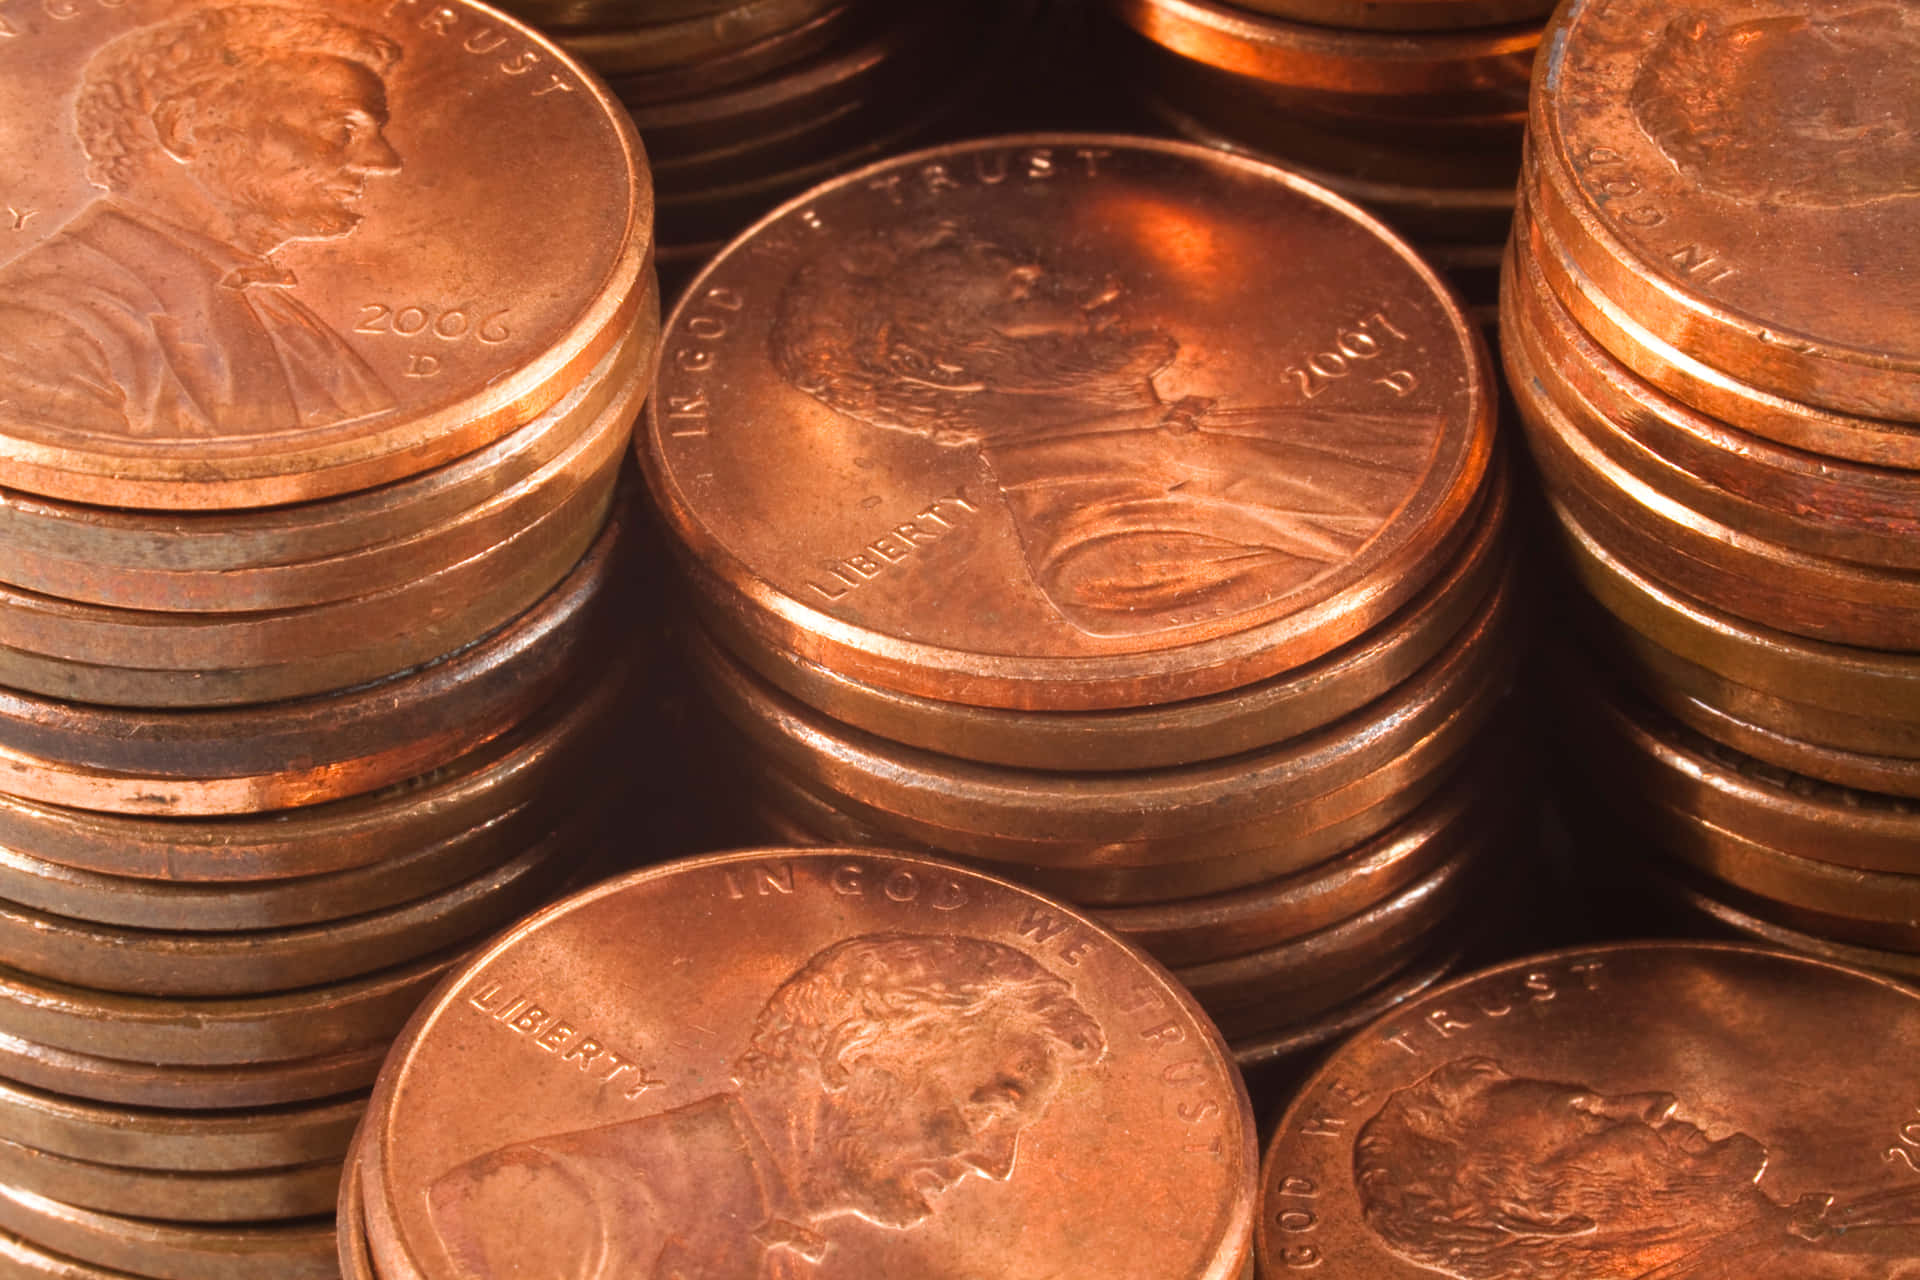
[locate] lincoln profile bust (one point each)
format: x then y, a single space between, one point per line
883 1071
159 311
1136 514
1477 1174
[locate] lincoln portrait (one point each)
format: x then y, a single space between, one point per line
1477 1174
1136 514
883 1071
215 138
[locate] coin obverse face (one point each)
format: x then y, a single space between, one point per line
243 242
1635 1112
818 1064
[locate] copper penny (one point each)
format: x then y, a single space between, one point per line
313 1023
20 1260
1812 503
1737 921
1269 1052
1001 1035
1862 771
1403 15
202 1141
254 1195
1712 391
597 13
351 1215
185 1086
1273 710
1694 1110
746 62
657 44
298 1250
1024 559
1660 137
353 347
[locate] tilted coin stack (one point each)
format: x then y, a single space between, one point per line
310 449
744 103
1034 514
1413 109
855 1062
1708 323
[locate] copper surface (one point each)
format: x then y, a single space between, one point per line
184 1140
1723 916
1109 1073
1815 504
1403 15
1863 771
254 1195
1282 707
299 1250
746 62
968 613
1272 1050
589 13
185 1086
1659 137
1712 391
351 1217
1714 1109
26 1261
313 1023
664 44
192 406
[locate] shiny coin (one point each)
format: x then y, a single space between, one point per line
298 1250
254 1195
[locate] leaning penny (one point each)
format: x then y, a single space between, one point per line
1000 1035
1017 554
1415 1150
188 1087
362 350
1660 137
255 1195
1285 706
259 1138
298 1250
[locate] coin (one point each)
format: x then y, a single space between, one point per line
662 44
299 1250
1609 1066
1658 138
30 1262
1738 922
1066 222
351 1215
254 1195
185 1086
1890 775
748 62
1403 15
405 349
185 1140
1111 1035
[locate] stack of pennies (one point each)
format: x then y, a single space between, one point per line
1413 109
744 103
1636 1109
1707 321
836 1062
1118 514
309 436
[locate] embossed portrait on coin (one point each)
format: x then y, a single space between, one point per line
1477 1174
883 1071
1796 109
158 310
1136 515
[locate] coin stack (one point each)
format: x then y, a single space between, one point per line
1413 109
1030 517
744 103
881 1064
310 441
1707 323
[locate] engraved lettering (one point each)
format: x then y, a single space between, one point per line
1040 163
864 565
914 534
826 593
1075 949
521 63
584 1051
1399 1040
555 84
726 299
1293 1185
1165 1033
1323 1126
1352 344
901 885
845 879
554 1036
486 1001
693 360
1198 1112
1295 1220
533 1018
1090 158
1906 1148
484 41
1588 971
1303 1258
1187 1071
889 549
421 365
1400 382
890 184
707 327
1700 264
440 21
1445 1023
1042 926
17 219
938 179
990 168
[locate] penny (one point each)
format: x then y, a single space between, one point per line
1890 775
1491 65
185 1086
1781 418
487 798
1086 817
1659 137
20 1260
151 963
1057 1023
1746 925
1274 710
314 1023
351 1215
1725 567
1272 1052
256 1195
1403 15
1609 1066
592 13
662 44
764 56
1815 504
298 1250
1855 681
368 351
983 589
189 1141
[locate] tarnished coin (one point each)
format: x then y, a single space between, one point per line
193 319
186 1086
1663 137
897 1063
297 1250
1646 1110
1066 482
